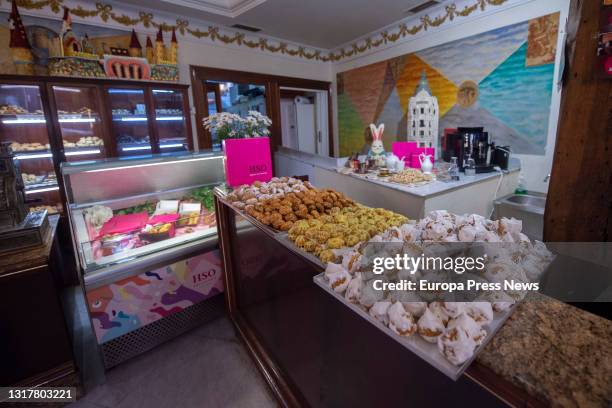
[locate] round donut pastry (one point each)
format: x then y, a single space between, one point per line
469 326
456 346
481 312
430 327
338 278
355 286
410 232
379 311
400 321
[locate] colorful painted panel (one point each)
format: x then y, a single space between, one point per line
501 79
131 303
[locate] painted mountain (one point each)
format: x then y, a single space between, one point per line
508 73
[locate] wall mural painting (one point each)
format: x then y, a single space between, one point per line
128 304
501 79
42 46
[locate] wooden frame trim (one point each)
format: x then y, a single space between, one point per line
199 75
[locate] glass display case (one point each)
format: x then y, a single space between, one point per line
23 123
132 213
80 125
130 121
171 119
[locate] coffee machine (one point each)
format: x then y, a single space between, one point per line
469 142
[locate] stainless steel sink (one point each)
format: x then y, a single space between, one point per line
528 208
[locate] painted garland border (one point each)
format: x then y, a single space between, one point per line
105 12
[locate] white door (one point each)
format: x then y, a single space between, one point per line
288 124
306 128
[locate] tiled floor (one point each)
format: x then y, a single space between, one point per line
207 367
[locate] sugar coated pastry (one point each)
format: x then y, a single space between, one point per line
351 261
500 300
355 286
369 295
338 277
410 300
410 232
456 346
437 309
452 309
430 327
469 326
379 311
400 321
481 312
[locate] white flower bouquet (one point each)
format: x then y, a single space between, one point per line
232 126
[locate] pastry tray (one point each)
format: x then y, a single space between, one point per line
427 351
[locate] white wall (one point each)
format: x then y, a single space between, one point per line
203 53
535 168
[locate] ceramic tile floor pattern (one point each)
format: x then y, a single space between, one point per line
206 367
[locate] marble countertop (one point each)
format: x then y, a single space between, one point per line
558 353
423 191
435 187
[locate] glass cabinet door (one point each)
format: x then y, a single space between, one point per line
170 120
23 123
130 121
79 120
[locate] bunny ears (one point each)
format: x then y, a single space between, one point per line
377 132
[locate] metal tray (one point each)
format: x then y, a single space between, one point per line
427 351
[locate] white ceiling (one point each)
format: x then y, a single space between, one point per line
318 23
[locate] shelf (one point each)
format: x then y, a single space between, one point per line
41 187
143 118
45 154
32 119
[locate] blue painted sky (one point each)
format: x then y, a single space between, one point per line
520 96
473 58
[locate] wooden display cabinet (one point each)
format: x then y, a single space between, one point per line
52 120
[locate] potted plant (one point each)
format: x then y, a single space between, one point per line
232 126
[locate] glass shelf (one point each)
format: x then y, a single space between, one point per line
130 121
78 116
24 125
170 119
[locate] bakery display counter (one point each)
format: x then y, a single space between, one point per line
316 349
145 235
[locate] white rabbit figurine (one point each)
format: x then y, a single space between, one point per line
377 150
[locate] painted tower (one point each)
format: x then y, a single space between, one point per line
172 58
160 50
135 49
423 115
149 53
19 45
70 43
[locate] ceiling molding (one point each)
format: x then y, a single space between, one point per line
118 16
226 8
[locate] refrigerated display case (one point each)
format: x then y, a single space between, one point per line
23 123
171 118
79 120
145 227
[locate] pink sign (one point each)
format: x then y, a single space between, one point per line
247 160
403 149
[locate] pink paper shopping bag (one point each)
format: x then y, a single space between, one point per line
247 160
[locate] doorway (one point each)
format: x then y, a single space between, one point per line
222 90
305 120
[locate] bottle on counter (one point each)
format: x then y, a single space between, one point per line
470 166
453 170
520 188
